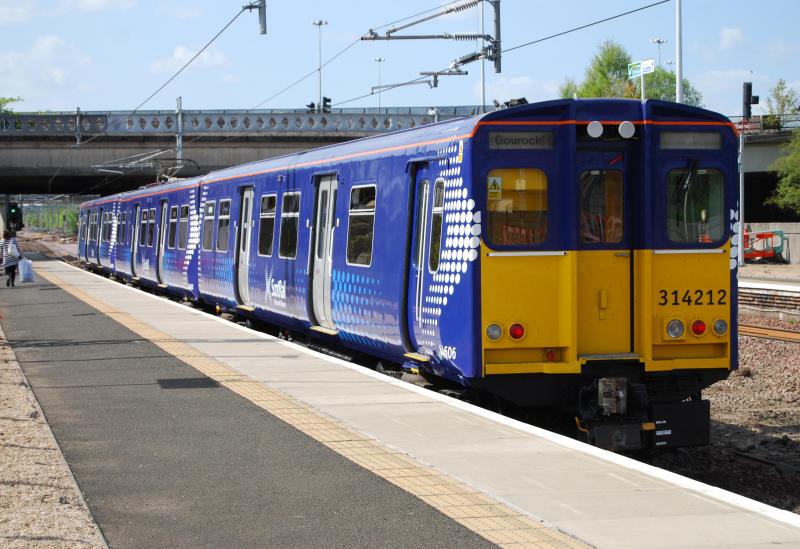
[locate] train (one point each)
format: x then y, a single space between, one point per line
575 254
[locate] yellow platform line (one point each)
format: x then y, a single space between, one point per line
487 517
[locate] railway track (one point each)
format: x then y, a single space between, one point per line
769 333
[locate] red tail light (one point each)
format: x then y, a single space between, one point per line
516 331
698 327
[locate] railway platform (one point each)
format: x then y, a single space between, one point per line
185 429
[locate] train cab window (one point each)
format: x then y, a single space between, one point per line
361 225
601 208
290 216
695 205
151 227
208 227
266 227
183 227
143 228
223 225
436 226
517 206
173 226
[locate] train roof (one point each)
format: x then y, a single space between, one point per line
563 111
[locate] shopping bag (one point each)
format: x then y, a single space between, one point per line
13 251
26 270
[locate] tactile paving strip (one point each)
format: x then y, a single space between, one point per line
482 514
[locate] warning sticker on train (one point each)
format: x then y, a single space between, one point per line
495 188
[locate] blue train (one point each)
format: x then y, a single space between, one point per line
575 254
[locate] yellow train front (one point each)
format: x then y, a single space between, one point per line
608 271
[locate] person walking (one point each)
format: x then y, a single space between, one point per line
10 255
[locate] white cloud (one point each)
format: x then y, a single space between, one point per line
209 59
42 73
722 89
95 5
779 48
178 12
513 87
23 11
13 12
730 38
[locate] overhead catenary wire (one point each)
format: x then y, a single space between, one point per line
195 56
473 57
343 50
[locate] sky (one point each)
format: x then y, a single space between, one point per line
111 55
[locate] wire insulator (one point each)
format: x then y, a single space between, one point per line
464 6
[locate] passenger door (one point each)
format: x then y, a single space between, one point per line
162 241
605 268
135 240
243 250
426 244
322 250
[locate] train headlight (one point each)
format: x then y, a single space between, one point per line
516 331
675 328
594 129
698 327
494 332
720 327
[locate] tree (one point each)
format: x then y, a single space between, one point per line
607 76
7 101
661 85
787 193
782 100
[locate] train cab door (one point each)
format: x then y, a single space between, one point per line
605 255
424 261
135 239
243 239
162 240
323 251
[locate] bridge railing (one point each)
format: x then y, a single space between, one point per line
115 123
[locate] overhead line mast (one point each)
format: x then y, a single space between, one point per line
492 52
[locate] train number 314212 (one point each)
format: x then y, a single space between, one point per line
692 297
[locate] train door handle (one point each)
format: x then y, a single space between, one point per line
622 254
603 299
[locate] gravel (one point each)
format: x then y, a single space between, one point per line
40 505
755 431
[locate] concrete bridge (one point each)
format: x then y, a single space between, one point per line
103 152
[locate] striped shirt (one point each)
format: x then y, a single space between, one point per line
9 260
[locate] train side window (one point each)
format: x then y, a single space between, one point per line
223 225
104 231
95 227
517 206
266 227
151 227
183 227
290 217
601 207
208 227
143 228
109 226
361 225
173 226
121 219
695 205
436 226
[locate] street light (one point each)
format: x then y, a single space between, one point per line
318 23
658 42
379 60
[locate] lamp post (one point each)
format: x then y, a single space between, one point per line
318 23
658 42
379 60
